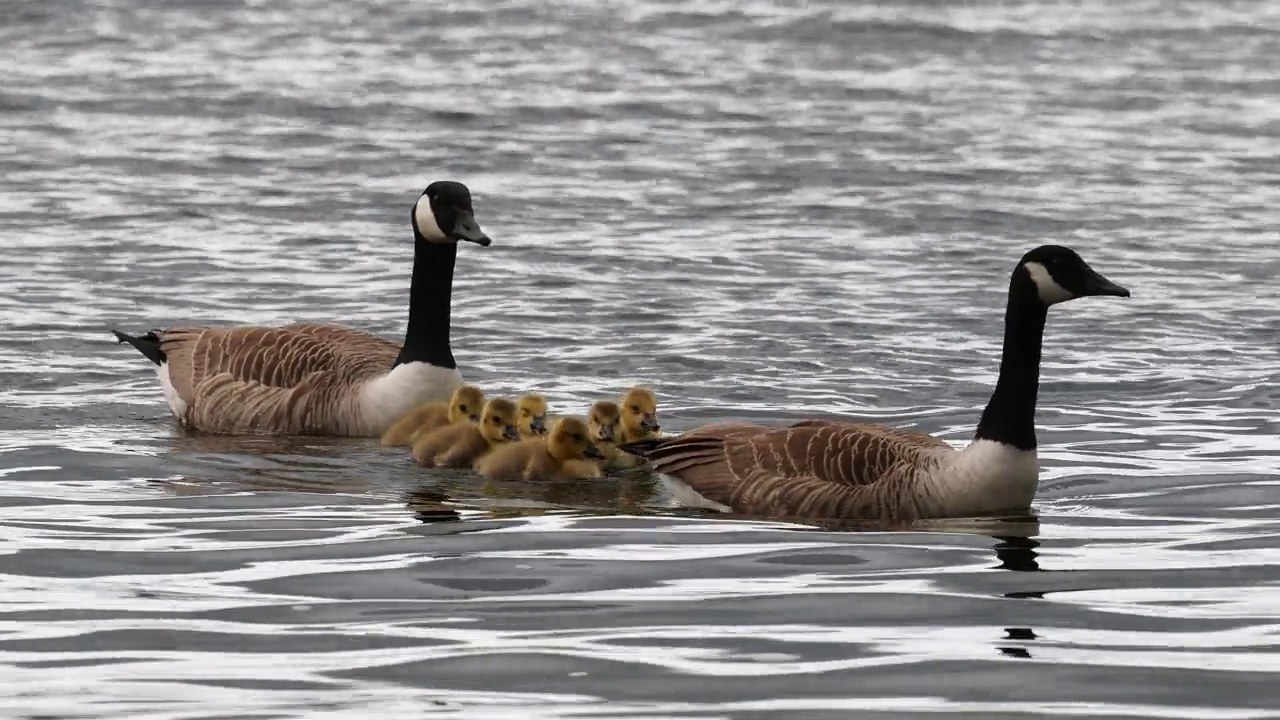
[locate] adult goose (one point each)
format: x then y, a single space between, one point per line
309 379
820 469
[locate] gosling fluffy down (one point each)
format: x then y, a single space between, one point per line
638 420
564 454
532 416
464 406
458 446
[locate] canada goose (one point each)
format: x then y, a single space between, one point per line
532 416
459 446
307 379
464 406
563 454
820 469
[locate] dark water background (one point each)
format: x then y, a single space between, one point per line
761 210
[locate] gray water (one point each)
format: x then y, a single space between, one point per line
761 210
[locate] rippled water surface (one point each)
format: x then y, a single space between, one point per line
761 210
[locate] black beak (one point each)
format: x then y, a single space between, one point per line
606 433
466 228
593 452
538 425
511 432
475 419
1095 284
650 424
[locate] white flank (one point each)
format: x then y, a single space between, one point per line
984 477
686 496
426 219
1051 293
176 404
407 386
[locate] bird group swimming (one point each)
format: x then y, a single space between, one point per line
322 379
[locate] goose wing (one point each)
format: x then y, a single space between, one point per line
273 357
813 469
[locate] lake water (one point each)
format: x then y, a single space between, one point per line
762 210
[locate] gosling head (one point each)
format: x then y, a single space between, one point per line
1059 274
466 405
532 416
640 412
604 421
443 214
570 440
498 421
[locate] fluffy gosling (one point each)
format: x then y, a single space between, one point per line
564 454
532 418
458 446
465 405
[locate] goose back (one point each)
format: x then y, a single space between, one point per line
810 469
301 379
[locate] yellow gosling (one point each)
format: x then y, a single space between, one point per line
532 417
604 421
459 446
463 406
638 421
564 454
639 415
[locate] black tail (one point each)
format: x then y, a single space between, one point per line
641 448
148 345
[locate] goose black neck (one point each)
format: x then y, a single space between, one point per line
430 294
1010 416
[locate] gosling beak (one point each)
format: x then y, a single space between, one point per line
466 228
593 452
475 419
650 424
1095 284
538 424
606 433
511 432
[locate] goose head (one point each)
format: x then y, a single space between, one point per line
498 421
532 416
443 214
1059 274
639 413
570 440
604 422
466 405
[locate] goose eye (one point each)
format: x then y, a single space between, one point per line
635 408
463 408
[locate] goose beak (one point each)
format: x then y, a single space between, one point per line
650 424
466 228
606 433
538 424
593 452
475 419
511 432
1095 284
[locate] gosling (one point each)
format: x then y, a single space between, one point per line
464 406
532 419
458 446
564 454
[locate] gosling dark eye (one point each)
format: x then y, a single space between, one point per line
463 408
635 408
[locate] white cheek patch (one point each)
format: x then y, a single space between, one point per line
1049 290
426 219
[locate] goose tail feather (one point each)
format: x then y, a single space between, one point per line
148 345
